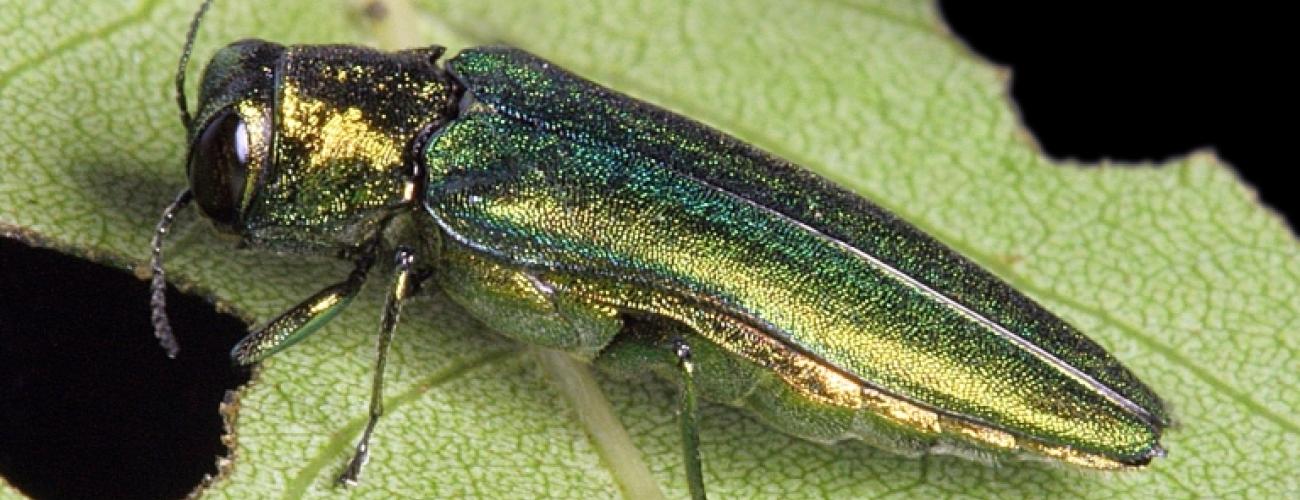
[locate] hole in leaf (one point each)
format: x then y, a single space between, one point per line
1098 81
90 406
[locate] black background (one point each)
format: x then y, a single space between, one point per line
1103 82
89 406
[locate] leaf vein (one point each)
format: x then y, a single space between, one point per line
342 439
574 381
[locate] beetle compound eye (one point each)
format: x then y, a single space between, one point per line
219 166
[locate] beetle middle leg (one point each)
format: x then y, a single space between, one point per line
669 349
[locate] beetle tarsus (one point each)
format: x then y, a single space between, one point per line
352 474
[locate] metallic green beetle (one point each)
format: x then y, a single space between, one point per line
566 215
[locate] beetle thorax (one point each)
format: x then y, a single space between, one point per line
344 123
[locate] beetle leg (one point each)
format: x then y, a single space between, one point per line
404 262
303 319
688 414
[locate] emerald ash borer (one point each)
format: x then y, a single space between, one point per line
566 215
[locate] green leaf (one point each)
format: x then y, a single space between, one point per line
1175 268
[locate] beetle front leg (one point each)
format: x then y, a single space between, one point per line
303 319
688 414
404 262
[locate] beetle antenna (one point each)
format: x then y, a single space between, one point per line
158 283
186 118
162 329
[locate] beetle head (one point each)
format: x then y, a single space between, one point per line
310 148
230 138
